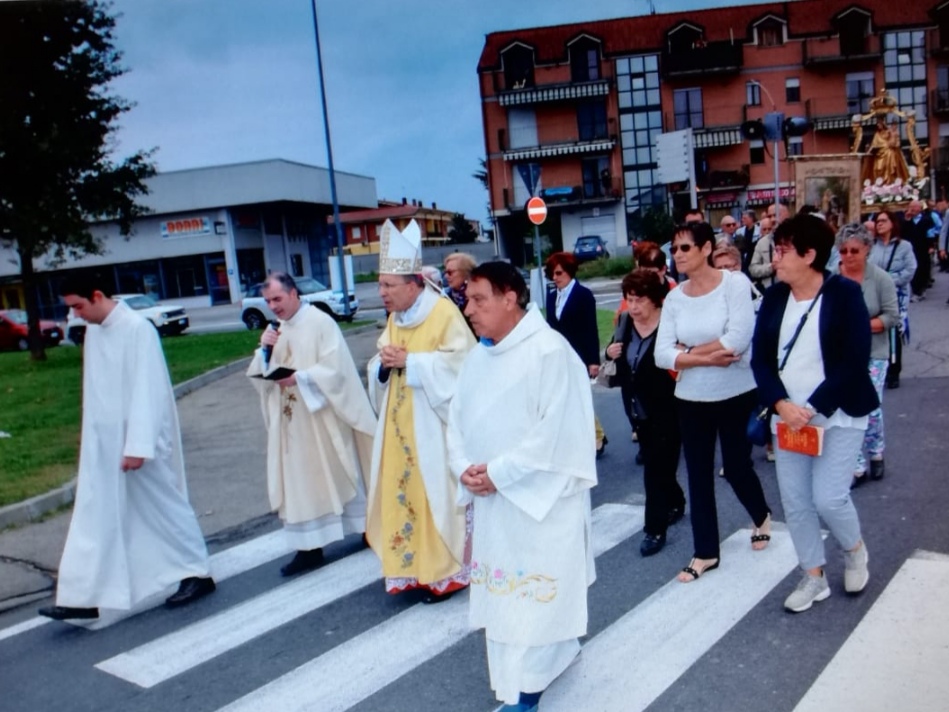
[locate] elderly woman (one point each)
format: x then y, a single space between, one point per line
879 294
649 397
704 334
896 257
571 310
761 268
458 266
811 347
648 255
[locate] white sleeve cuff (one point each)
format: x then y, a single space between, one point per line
313 397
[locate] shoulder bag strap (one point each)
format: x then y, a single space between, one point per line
800 326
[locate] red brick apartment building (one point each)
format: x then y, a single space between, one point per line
363 227
584 103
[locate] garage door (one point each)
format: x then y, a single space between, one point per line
604 226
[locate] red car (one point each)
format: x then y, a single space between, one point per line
14 330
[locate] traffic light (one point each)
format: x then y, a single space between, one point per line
796 126
753 130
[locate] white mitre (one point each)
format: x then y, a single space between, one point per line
400 252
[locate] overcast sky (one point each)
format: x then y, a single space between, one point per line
226 81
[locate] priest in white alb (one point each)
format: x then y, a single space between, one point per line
413 522
521 443
133 533
319 425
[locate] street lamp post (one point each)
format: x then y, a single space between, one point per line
777 177
332 173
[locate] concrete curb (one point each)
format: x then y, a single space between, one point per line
37 507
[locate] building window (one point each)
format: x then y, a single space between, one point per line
941 96
597 182
796 146
518 64
757 152
770 33
859 92
904 74
854 29
296 265
591 120
357 233
584 61
792 90
753 94
687 105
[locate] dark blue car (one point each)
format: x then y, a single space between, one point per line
590 247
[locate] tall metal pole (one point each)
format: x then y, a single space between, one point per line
329 159
777 174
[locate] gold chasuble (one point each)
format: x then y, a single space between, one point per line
414 524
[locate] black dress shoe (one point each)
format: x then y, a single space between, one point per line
305 560
858 480
433 597
675 514
600 450
893 384
877 469
63 613
652 544
191 589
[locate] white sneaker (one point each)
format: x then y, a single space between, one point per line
809 589
856 574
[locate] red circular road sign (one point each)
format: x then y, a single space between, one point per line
536 211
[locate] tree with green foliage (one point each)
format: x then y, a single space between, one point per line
461 230
658 226
58 117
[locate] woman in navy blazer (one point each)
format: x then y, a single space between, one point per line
809 355
571 310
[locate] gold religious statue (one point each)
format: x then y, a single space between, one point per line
884 157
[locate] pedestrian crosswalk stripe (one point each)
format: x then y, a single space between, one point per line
177 652
419 633
182 650
657 641
224 565
898 655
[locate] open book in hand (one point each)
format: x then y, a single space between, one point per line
809 440
276 374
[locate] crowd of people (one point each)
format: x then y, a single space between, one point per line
455 485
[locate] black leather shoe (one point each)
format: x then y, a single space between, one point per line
675 514
877 469
305 560
63 613
600 450
652 544
191 589
858 480
893 384
433 597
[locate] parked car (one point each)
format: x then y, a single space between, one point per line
14 330
169 319
255 314
590 247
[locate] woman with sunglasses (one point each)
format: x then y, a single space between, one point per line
879 294
896 256
704 334
811 347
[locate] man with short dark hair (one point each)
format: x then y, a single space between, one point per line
319 426
523 453
133 533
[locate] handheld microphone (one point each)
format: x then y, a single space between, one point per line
268 349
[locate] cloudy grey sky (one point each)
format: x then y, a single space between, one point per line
225 81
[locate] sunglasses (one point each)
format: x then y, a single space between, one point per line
685 247
851 251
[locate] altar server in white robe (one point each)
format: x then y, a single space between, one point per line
319 426
133 533
520 439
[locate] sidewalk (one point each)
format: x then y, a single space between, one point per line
225 453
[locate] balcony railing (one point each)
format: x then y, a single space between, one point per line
554 93
818 51
833 114
566 148
711 58
580 194
720 126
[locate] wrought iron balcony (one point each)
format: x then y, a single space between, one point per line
819 51
554 93
567 148
704 59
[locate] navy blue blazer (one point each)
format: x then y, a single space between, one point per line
577 322
844 330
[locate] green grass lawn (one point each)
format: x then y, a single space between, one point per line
40 405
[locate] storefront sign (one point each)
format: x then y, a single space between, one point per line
185 227
717 198
767 195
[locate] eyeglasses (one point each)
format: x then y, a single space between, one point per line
851 251
729 224
685 247
780 252
557 272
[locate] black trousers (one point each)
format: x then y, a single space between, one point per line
659 445
727 421
895 365
924 263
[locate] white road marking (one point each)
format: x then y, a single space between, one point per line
898 656
366 662
657 641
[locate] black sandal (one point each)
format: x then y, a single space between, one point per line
696 574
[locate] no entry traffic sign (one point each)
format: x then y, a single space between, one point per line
536 211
